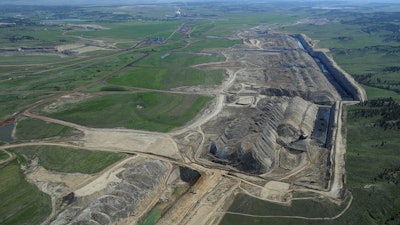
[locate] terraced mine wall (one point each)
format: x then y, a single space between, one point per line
341 77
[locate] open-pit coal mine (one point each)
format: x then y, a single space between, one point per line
279 108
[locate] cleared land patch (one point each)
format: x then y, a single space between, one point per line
147 111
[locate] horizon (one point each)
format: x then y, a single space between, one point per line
132 2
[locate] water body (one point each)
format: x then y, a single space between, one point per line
6 132
344 94
300 45
321 125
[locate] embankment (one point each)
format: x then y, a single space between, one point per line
345 80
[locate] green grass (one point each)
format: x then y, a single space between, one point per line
212 43
131 30
106 87
177 59
160 112
12 103
69 75
33 36
32 59
374 93
167 78
69 160
307 208
151 217
21 202
28 129
156 212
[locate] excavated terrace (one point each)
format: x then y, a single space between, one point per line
277 112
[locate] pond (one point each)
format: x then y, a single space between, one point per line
6 132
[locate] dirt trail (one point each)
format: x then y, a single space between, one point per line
103 180
11 156
51 120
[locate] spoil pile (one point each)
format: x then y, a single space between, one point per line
251 141
139 182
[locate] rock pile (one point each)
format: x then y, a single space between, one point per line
138 182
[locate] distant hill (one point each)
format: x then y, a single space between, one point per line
128 2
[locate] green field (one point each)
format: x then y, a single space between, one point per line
11 103
178 59
21 202
167 78
69 76
210 42
145 111
68 160
309 208
131 30
32 59
33 35
28 129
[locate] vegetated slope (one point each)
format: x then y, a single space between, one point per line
163 78
147 111
21 202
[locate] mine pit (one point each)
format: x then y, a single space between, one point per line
277 121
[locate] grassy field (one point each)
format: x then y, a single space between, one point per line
32 59
305 208
178 59
68 75
33 35
146 111
29 129
167 78
131 30
11 103
68 160
208 43
21 202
